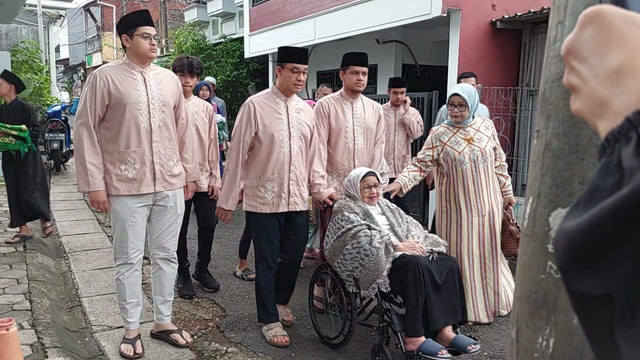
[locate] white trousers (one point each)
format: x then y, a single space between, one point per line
156 217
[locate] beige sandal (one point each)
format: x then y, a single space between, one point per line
270 331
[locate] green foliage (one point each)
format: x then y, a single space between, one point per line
224 61
26 62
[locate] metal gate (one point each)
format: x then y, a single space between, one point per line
427 104
514 111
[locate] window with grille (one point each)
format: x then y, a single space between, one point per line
215 27
257 2
332 77
241 19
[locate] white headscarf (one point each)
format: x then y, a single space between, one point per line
352 181
470 96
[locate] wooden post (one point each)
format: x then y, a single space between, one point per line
564 156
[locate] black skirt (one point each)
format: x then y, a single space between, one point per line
432 293
27 188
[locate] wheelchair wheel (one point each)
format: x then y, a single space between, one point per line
380 352
335 320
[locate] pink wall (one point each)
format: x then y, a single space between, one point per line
274 12
493 54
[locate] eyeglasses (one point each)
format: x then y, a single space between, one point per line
148 37
298 73
461 107
370 188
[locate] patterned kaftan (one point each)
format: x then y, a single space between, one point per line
471 181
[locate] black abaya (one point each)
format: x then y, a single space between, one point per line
25 178
431 291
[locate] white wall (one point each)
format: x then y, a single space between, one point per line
389 57
350 20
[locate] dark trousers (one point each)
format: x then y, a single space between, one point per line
432 293
279 240
205 214
400 201
245 240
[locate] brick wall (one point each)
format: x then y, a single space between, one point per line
174 11
274 12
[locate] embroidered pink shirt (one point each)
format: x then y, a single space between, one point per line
132 133
271 155
401 128
205 140
351 133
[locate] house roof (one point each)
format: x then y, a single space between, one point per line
541 14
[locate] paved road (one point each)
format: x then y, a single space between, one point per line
237 298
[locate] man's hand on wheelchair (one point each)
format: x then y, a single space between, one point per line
328 201
394 188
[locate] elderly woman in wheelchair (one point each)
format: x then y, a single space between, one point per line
372 242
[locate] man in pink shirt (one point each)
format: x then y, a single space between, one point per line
271 159
135 157
205 138
404 124
351 133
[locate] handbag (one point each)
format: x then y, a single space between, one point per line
510 233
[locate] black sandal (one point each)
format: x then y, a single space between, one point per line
132 341
44 231
18 238
165 335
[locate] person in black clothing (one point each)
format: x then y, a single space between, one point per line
25 178
598 243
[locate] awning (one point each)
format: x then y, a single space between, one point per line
517 20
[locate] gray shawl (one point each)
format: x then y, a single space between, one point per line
356 246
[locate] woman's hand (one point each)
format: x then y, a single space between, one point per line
394 188
509 201
411 248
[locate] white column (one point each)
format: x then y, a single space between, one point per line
41 30
52 60
272 68
455 16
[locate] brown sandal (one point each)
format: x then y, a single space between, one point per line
165 335
132 341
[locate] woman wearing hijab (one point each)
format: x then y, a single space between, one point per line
374 241
203 91
472 186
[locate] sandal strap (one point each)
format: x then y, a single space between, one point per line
462 342
131 341
274 329
247 272
431 348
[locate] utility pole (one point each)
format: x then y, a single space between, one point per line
41 30
163 25
543 323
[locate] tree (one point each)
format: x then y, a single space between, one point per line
543 323
225 61
26 62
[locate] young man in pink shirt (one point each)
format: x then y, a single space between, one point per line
403 125
205 138
134 156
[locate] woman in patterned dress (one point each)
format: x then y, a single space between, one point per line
472 186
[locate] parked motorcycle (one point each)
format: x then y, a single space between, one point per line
57 136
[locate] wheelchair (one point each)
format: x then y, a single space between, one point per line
336 319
